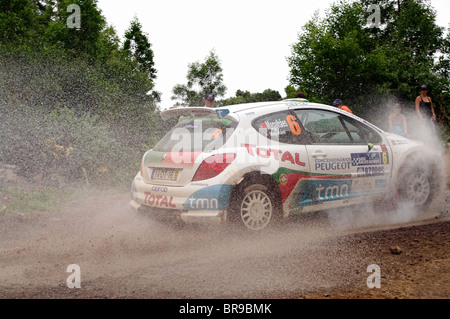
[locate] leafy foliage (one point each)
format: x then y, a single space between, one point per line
74 88
137 47
247 97
63 147
202 78
341 56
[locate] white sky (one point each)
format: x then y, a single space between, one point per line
252 38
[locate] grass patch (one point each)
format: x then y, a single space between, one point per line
47 199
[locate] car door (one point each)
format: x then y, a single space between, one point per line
347 162
286 150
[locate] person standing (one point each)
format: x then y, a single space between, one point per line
424 108
209 100
397 121
338 103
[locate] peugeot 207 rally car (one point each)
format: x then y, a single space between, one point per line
253 163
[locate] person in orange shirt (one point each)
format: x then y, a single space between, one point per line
338 103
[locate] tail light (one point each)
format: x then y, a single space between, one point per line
213 166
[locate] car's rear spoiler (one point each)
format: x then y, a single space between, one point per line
190 111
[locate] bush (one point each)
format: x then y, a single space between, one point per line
63 147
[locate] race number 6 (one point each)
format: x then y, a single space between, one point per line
293 125
385 158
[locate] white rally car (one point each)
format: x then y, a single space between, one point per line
253 163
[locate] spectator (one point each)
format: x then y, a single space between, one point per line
209 100
300 95
424 108
397 121
338 103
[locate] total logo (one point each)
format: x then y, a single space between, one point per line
158 200
278 155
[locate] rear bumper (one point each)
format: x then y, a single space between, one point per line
191 203
189 216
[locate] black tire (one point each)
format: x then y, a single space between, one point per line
255 206
417 186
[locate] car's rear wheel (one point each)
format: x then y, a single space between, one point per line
255 206
256 209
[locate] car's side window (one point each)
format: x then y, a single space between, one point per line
280 126
325 127
370 135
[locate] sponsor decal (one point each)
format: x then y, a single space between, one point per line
381 183
222 113
367 159
279 126
202 203
283 179
331 190
296 104
162 189
274 128
158 200
370 171
362 185
278 155
311 192
299 182
399 142
327 164
275 124
209 198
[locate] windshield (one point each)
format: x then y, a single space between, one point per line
193 134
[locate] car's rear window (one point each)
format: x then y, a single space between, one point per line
193 134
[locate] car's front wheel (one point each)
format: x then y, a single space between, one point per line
417 186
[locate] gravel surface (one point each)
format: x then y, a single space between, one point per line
123 255
326 255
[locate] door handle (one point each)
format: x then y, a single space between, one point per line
319 153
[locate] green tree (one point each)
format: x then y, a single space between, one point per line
202 78
86 68
83 41
48 68
138 48
18 22
290 91
341 56
247 97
